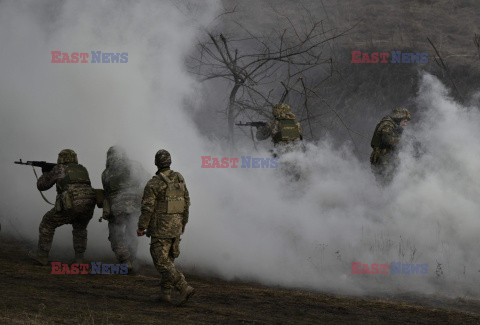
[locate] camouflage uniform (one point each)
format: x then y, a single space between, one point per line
122 181
165 228
74 204
283 128
385 141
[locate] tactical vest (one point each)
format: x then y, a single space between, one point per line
287 131
377 136
67 197
174 193
74 174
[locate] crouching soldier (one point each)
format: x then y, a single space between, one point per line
74 205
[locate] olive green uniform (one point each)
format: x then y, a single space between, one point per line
385 141
74 205
283 128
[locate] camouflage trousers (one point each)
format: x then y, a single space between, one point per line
123 237
53 219
164 251
383 166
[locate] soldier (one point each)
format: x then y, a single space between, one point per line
385 141
286 133
283 128
165 207
74 205
122 181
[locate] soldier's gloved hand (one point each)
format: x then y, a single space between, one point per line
45 170
140 232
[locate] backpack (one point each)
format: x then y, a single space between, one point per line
74 174
175 193
287 131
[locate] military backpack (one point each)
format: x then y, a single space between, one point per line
74 174
175 193
287 131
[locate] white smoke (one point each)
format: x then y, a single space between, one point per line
251 224
48 106
307 234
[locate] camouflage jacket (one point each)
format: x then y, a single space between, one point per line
386 135
86 195
272 128
122 182
154 216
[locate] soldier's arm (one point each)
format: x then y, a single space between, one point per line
388 137
47 180
148 205
263 132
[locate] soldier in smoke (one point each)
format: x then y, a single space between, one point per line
385 142
122 182
165 208
74 205
283 128
286 134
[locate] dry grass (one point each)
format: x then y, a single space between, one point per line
31 295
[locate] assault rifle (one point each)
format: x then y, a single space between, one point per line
255 124
46 166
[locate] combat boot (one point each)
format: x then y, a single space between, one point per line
40 256
165 296
185 294
129 266
79 258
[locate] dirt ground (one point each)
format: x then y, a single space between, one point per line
29 294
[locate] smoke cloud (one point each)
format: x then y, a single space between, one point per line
251 224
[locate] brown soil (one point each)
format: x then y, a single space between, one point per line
30 294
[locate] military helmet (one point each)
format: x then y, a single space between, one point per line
400 114
280 109
115 154
67 156
163 159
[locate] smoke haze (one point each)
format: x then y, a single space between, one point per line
250 224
